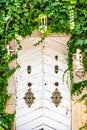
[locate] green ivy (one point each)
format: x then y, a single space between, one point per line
20 17
83 127
77 88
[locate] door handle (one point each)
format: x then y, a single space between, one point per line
29 69
56 68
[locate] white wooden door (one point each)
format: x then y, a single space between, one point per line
47 63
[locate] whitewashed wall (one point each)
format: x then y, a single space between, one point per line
43 113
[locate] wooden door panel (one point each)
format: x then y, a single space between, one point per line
43 81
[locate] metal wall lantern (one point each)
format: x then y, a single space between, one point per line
77 62
43 23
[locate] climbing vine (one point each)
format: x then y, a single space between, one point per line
20 17
79 40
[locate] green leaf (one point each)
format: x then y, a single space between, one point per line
85 42
79 42
85 50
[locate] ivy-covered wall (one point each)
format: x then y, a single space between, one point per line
21 18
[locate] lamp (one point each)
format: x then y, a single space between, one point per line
43 23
